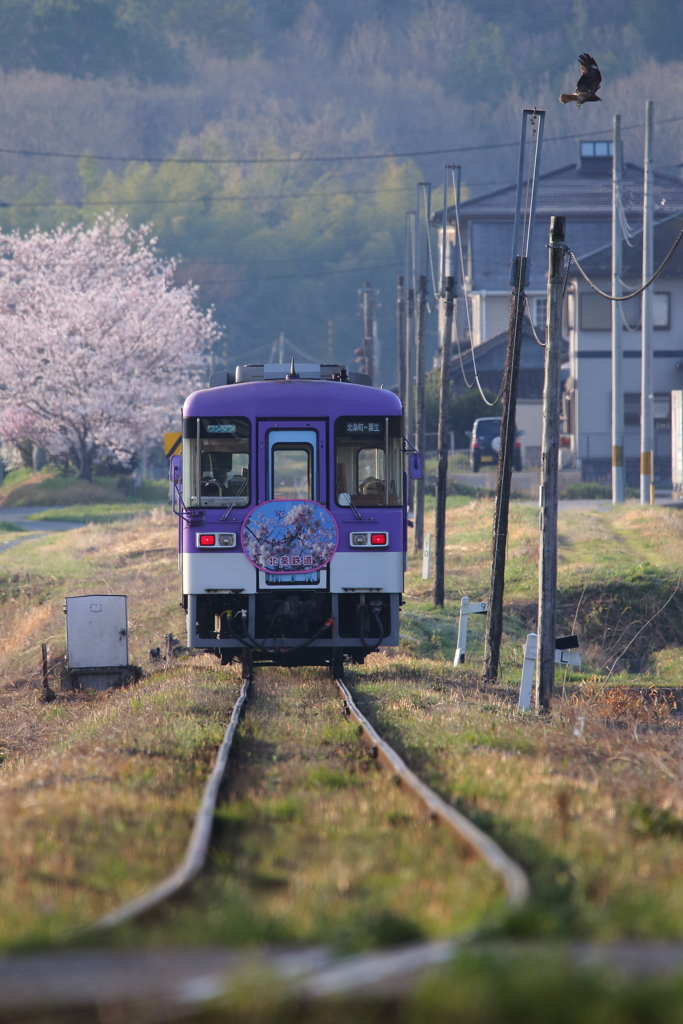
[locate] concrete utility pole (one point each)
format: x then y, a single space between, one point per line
442 447
494 622
369 329
410 326
419 504
410 365
550 446
646 396
400 340
617 330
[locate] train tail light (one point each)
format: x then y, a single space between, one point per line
207 540
378 539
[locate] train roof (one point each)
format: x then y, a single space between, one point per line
272 391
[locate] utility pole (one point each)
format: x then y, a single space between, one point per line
442 447
410 327
400 340
494 621
410 365
281 347
365 354
522 235
550 445
646 397
617 331
419 504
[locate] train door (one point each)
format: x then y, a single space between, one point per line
293 466
292 460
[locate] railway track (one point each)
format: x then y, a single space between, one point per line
511 874
309 973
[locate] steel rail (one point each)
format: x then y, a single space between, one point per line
200 837
308 974
514 878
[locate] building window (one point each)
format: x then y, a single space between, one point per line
632 409
661 311
596 312
661 410
540 311
571 311
596 149
630 314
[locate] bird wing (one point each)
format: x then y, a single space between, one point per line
590 74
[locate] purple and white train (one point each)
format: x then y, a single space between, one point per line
291 494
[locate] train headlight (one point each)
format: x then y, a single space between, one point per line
369 540
206 540
227 540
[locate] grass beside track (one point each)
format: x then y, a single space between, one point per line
104 512
24 487
315 845
100 806
588 799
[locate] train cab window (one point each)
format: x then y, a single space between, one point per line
216 461
369 467
292 464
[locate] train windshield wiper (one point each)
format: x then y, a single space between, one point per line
347 501
236 498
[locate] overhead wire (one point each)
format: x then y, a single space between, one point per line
436 292
531 322
203 199
467 310
288 277
638 291
628 233
327 158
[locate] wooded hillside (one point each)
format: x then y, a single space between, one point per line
284 246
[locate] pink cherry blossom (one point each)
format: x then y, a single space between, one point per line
99 347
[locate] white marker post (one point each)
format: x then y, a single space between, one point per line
467 608
566 653
427 557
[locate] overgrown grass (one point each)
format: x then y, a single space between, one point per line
100 805
588 800
23 487
315 845
96 513
483 985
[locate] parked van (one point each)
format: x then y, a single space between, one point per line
485 444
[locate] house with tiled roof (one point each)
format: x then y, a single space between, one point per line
582 192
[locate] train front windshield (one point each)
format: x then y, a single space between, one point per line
368 459
216 461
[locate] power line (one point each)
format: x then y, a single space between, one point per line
288 259
329 158
285 277
204 199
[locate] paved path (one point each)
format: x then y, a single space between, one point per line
35 529
177 979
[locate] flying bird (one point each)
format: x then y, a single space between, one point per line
588 85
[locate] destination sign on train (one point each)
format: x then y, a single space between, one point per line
355 427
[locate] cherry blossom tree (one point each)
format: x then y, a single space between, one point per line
98 347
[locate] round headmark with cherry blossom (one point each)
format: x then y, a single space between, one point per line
289 536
